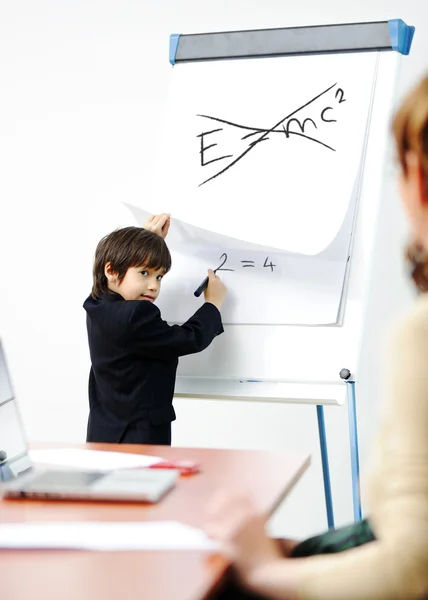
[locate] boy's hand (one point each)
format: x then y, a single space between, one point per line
158 224
216 291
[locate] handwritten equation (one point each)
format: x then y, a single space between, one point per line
288 126
245 264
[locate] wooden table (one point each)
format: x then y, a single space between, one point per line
157 575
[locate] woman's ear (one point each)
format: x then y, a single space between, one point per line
422 185
109 273
416 179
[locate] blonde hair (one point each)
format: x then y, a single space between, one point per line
410 129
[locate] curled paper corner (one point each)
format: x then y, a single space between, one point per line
184 235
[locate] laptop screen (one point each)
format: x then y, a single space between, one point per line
14 458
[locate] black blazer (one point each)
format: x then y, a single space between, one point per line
134 355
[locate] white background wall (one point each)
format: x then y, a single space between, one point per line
82 85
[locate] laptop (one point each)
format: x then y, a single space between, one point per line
20 478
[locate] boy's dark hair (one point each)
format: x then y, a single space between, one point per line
125 248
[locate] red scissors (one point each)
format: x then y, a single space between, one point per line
186 467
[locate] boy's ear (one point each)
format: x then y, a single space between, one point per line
109 273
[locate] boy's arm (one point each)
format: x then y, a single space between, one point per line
153 337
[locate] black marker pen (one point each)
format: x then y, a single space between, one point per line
204 284
202 287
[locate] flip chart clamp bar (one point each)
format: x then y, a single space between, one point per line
374 36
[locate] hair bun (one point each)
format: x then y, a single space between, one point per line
417 258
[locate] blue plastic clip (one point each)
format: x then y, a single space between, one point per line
401 35
173 46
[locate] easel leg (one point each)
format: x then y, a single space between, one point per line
353 437
325 466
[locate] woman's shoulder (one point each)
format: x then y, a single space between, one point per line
414 325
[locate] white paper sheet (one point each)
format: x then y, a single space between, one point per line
265 287
91 460
158 535
258 163
264 151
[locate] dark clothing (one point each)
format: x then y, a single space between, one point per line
334 540
151 434
134 355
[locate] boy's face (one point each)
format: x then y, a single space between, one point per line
139 283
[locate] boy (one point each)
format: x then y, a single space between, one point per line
134 353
